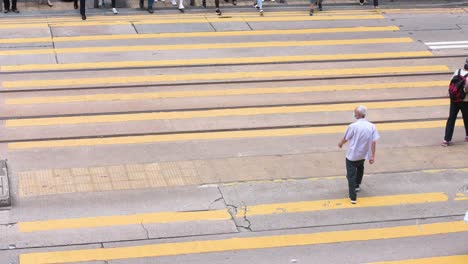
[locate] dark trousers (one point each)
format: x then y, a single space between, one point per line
454 109
216 3
6 3
150 3
82 6
354 173
113 3
376 2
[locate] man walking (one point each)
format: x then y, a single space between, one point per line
362 136
458 103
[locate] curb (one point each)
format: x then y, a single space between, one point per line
5 200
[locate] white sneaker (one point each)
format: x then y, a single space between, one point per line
115 11
261 12
353 201
174 3
100 3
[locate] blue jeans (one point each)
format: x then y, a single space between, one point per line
150 3
354 173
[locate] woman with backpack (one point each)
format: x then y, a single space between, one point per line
458 102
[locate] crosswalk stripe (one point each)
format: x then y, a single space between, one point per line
213 215
242 243
460 259
261 133
122 17
213 61
251 111
231 45
449 47
227 92
224 76
202 34
364 202
193 20
105 221
159 16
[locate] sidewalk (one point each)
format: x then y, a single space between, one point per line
228 170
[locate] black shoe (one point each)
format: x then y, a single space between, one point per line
320 7
311 13
6 11
218 12
83 17
15 11
181 10
141 5
75 5
234 2
150 10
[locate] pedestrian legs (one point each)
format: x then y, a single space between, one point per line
6 4
150 5
354 173
260 6
82 8
454 109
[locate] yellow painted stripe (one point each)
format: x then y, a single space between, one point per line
136 219
212 61
244 243
130 18
231 45
461 198
223 76
228 92
460 259
218 135
310 206
206 19
266 209
202 34
116 118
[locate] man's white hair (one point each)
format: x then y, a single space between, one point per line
362 110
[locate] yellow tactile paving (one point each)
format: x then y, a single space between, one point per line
459 259
202 34
213 61
218 135
224 76
226 92
213 215
231 45
117 118
242 243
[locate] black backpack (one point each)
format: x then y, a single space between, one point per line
457 87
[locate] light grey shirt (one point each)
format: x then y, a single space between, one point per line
360 135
